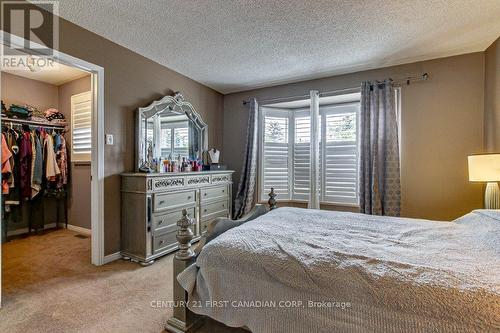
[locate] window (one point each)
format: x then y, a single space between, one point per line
81 127
275 152
285 152
340 162
174 139
301 154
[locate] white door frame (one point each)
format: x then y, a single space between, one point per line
97 158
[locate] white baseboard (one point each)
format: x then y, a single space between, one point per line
112 257
80 230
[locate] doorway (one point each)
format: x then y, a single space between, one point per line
92 169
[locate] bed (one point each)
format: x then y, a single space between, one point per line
298 270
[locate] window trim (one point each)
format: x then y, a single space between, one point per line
291 114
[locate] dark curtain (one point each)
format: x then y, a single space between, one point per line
245 197
379 181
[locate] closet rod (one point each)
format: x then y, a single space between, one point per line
29 122
397 82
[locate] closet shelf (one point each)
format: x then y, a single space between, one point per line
29 122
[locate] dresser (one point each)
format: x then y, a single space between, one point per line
153 203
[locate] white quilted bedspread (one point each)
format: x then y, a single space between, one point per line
297 270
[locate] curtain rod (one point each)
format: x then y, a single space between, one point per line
397 82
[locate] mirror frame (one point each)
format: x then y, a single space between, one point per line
168 102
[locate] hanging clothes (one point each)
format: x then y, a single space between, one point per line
11 137
36 165
25 156
62 161
57 143
13 140
51 167
6 167
33 158
34 168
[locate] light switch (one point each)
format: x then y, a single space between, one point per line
109 139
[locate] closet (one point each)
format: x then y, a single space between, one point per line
46 164
46 124
34 170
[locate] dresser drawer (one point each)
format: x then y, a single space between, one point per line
213 210
212 193
171 200
171 218
204 226
165 240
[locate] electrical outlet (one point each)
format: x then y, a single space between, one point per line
109 139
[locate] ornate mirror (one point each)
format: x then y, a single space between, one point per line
168 128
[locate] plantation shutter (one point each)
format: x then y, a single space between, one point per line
166 142
301 158
285 153
174 139
275 151
81 127
181 138
341 155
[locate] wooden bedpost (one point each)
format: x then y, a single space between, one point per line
183 320
272 201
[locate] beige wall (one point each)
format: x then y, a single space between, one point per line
442 122
492 98
79 195
19 90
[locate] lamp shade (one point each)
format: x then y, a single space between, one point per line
484 168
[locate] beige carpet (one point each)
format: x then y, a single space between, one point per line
49 285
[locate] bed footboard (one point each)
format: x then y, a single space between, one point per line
183 320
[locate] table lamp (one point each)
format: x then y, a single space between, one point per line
486 168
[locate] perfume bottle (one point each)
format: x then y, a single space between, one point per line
159 165
183 165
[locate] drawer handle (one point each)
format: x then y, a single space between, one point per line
161 242
205 194
161 202
189 197
161 222
222 191
204 210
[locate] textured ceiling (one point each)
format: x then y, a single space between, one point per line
234 45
